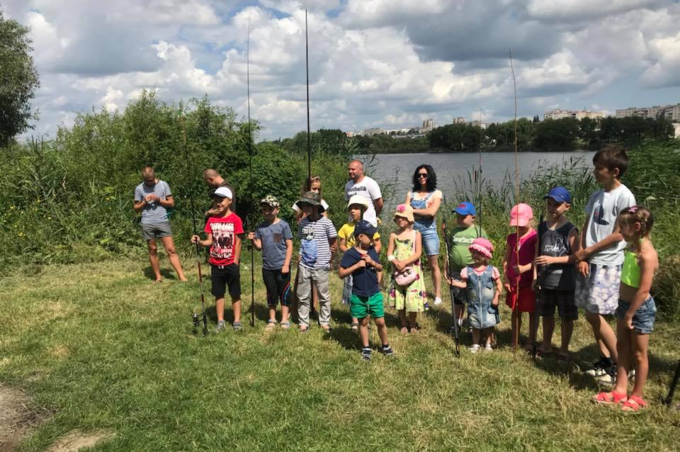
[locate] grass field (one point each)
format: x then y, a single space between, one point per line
102 348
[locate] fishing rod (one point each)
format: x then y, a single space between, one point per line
516 294
194 316
456 332
309 161
668 401
479 187
537 312
250 180
309 133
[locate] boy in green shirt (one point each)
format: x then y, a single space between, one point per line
459 240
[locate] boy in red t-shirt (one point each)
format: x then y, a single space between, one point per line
225 231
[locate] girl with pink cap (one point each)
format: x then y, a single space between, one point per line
483 284
518 272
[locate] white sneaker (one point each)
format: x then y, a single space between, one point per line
437 301
474 348
487 348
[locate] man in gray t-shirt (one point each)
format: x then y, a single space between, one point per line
152 198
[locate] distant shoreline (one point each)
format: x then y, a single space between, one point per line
485 151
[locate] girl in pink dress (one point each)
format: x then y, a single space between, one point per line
518 275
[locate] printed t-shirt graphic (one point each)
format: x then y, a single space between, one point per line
224 231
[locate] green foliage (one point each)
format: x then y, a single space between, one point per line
456 137
70 199
18 80
392 144
565 134
557 134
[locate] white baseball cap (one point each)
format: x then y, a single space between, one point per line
223 192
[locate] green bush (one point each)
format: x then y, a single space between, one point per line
70 199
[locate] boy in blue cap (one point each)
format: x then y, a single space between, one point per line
554 272
460 239
363 263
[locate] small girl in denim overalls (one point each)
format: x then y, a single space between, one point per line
483 284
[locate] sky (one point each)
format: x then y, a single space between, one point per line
373 63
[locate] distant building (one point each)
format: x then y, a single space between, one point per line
677 130
373 131
577 114
350 134
428 125
479 124
459 120
671 112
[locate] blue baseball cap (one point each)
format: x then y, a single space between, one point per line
364 227
466 208
559 194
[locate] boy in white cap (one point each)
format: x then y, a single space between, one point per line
225 231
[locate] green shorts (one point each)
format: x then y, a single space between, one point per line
361 307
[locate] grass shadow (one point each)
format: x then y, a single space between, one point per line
165 274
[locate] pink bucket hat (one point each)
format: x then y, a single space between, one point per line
520 215
483 246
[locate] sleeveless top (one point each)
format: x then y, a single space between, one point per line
630 273
555 243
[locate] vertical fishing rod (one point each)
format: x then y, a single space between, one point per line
456 332
309 133
479 187
250 154
194 315
516 297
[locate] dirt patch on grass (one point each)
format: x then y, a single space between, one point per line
17 417
76 440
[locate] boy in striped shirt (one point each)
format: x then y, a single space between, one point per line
317 235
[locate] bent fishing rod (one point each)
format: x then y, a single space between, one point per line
204 315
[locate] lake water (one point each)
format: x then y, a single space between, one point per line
453 169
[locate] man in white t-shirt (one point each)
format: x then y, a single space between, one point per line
364 186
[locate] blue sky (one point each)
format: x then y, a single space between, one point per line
373 63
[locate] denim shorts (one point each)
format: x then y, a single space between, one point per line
643 320
428 231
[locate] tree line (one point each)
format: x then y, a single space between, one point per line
565 134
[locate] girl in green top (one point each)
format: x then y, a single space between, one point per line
636 312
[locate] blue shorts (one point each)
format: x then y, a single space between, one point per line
428 231
643 320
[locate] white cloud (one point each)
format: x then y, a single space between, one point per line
565 10
372 62
665 55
